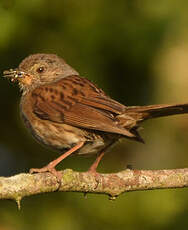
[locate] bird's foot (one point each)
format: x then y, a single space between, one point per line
96 175
48 168
93 172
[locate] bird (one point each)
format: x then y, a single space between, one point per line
71 115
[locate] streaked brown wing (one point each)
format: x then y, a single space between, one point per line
78 102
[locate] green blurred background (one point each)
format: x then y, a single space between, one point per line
137 51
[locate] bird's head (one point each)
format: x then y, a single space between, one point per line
38 69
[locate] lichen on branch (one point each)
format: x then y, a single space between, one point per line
24 184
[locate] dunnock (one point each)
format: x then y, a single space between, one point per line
72 115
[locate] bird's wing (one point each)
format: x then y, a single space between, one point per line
78 102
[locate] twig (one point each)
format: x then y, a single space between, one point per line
22 185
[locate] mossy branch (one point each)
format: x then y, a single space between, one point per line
22 185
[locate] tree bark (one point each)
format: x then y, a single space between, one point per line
22 185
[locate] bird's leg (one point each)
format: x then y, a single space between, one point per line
51 166
95 164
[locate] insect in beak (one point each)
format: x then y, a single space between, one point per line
13 74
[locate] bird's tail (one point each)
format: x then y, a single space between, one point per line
142 113
134 115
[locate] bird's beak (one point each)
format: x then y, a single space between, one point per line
14 74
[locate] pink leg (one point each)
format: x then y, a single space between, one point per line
51 166
95 164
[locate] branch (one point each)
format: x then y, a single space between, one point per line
22 185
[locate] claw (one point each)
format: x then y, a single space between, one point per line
47 168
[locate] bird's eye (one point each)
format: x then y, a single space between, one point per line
40 69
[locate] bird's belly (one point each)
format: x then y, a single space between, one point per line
92 147
61 137
57 136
